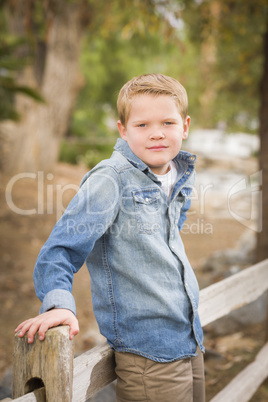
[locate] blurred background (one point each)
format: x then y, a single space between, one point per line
62 64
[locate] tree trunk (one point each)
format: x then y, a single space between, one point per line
262 245
33 143
207 64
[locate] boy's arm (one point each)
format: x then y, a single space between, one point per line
87 218
47 320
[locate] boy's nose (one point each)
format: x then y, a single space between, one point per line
157 134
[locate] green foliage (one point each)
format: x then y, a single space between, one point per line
88 153
9 66
232 28
108 63
111 54
229 34
216 53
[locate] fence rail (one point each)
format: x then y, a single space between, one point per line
54 376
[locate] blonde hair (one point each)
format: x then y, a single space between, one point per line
152 84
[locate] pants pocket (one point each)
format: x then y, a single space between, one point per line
129 371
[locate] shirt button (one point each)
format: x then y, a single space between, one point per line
187 173
191 158
146 199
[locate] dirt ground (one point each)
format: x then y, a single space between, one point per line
22 235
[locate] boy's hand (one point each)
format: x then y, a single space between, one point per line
43 322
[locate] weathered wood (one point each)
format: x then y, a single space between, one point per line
47 364
221 298
246 383
39 395
93 370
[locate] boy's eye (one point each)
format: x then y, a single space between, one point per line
142 125
168 123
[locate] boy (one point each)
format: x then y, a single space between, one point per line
125 222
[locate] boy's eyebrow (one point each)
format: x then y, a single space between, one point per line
145 120
139 121
170 119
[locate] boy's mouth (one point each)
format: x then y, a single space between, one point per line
157 148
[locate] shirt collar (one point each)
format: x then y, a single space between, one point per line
123 147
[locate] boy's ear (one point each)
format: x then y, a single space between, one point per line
122 130
186 127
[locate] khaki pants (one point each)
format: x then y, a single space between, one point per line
141 379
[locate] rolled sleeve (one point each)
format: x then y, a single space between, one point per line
58 298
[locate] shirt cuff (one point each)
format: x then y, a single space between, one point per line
58 298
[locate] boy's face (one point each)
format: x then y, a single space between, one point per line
155 130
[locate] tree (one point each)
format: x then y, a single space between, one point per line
238 31
263 130
9 65
107 63
56 29
33 142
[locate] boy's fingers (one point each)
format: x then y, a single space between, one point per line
18 328
23 328
74 329
45 325
23 325
58 317
48 320
32 331
32 325
42 331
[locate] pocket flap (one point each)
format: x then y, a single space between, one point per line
146 196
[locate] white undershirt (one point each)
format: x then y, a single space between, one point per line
168 180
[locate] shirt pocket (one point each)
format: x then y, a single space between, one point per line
147 210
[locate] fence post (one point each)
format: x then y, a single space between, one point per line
47 364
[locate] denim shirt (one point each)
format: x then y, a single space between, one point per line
144 291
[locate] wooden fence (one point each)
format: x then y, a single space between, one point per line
46 371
